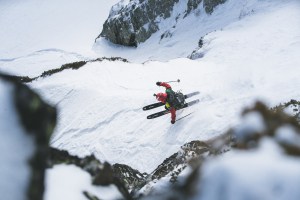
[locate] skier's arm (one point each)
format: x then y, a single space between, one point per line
166 85
173 115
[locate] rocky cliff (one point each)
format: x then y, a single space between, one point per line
133 22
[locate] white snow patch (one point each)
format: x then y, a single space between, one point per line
265 173
287 135
33 25
69 182
250 123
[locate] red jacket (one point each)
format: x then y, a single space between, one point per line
172 109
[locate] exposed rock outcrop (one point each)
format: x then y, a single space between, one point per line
209 5
173 165
292 107
191 154
130 177
104 174
133 22
73 66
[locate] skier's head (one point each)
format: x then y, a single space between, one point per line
161 97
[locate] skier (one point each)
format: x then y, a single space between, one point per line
171 100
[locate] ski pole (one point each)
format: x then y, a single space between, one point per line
178 80
184 116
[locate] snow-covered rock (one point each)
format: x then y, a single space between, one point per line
291 108
71 182
264 165
260 165
133 22
174 169
102 177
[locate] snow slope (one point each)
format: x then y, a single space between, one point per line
184 33
253 54
40 35
34 25
100 104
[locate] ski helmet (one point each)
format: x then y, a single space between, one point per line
161 97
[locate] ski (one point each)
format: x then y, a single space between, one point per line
154 105
164 112
158 104
158 114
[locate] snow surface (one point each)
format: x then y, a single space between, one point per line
69 182
287 135
40 35
188 31
36 63
265 173
110 96
100 104
16 148
250 52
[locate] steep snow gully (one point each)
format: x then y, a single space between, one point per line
100 104
249 51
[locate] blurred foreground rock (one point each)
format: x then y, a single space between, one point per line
263 162
26 125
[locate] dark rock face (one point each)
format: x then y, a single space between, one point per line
102 173
77 65
197 53
192 5
38 119
130 177
134 23
209 5
73 66
192 150
192 153
178 161
293 105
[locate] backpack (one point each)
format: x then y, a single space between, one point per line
174 99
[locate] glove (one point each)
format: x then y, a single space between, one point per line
173 122
158 83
